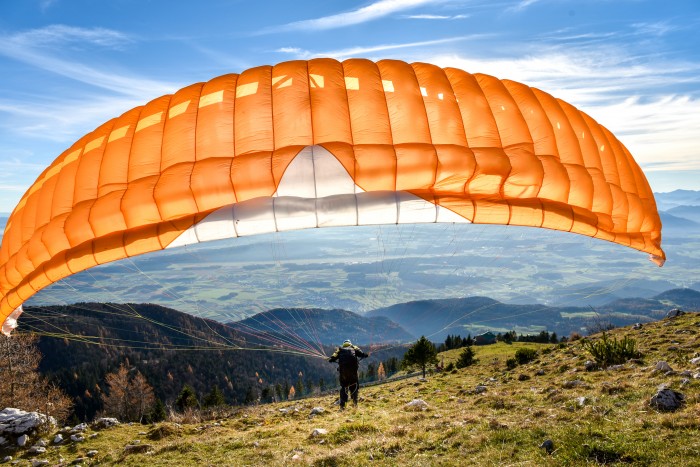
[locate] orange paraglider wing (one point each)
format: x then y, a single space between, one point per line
323 143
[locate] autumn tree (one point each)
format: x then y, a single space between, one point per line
21 384
128 397
381 373
420 354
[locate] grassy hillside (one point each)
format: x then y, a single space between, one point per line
602 418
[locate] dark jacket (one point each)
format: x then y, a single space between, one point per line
348 363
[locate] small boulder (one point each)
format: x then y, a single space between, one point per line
22 441
58 439
319 432
79 428
105 422
36 450
416 405
695 361
137 448
39 462
662 367
7 459
675 313
92 453
540 372
667 400
590 365
77 438
637 326
480 389
573 384
18 422
317 410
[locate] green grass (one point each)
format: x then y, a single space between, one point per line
505 425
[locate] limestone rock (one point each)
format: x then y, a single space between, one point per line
37 450
137 448
319 432
317 410
573 384
19 422
105 422
667 400
79 428
662 367
77 438
22 440
416 405
695 361
58 439
39 462
92 453
674 313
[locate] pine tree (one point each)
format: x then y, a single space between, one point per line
420 354
157 413
187 399
215 398
466 357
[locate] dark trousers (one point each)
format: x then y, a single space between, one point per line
348 382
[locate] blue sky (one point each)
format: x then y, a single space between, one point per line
66 66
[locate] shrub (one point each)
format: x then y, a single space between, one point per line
525 355
608 352
466 358
511 363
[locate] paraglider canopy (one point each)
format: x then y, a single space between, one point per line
322 143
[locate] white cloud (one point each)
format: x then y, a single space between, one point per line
371 12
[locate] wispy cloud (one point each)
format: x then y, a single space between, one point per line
46 4
523 4
60 35
40 48
436 17
365 50
371 12
59 120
